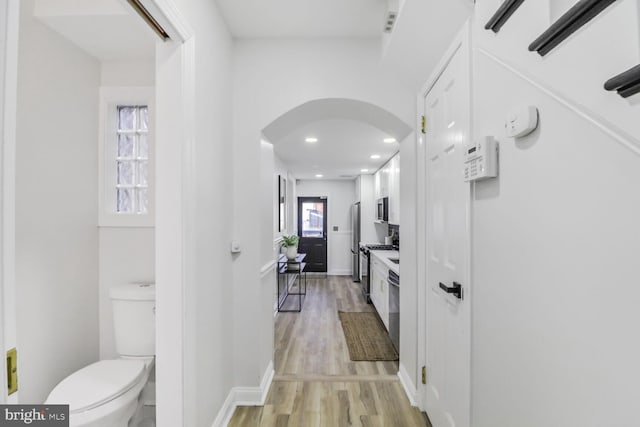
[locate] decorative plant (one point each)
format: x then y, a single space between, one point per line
291 240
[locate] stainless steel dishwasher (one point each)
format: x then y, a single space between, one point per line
394 308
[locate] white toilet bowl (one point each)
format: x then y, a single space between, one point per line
105 393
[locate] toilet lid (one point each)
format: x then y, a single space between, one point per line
97 384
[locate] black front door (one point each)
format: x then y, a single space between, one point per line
312 230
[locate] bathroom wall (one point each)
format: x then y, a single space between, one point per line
126 254
56 208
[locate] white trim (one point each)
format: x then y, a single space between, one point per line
9 23
245 396
267 268
625 139
175 82
409 387
342 272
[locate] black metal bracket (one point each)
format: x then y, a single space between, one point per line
502 15
576 17
627 83
456 289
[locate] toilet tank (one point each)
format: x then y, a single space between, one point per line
134 318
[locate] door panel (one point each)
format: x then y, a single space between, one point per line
312 230
447 326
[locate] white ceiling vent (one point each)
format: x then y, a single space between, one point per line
393 7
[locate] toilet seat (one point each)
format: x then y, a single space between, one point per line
97 384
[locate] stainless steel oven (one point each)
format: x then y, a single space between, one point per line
365 266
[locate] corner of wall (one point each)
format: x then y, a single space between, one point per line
244 396
407 384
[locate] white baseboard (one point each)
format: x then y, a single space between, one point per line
345 272
407 384
244 396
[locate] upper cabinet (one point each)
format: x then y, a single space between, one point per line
382 181
394 190
387 184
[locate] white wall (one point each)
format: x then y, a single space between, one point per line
341 195
56 208
556 238
297 71
127 73
126 254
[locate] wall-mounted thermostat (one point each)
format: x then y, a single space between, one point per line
481 159
521 122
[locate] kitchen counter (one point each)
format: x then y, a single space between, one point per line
384 257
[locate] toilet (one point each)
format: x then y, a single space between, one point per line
108 393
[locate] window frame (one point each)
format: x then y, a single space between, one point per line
110 99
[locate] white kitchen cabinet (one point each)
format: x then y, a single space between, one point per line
394 190
382 181
379 290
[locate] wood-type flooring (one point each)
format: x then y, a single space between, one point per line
315 382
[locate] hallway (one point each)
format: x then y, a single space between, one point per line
315 383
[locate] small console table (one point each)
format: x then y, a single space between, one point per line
292 281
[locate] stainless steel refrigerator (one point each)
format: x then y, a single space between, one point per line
355 243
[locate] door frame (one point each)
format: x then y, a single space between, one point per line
462 42
175 211
325 219
9 22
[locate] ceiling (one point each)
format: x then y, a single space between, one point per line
304 18
343 148
348 133
108 30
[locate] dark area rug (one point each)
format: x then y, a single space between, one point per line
367 338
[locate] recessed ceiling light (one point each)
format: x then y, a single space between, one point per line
319 175
389 140
311 139
364 170
375 156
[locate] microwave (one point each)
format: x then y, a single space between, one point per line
382 209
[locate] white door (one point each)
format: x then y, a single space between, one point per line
447 106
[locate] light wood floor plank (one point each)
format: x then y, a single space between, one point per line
315 383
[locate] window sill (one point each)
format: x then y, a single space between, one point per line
126 220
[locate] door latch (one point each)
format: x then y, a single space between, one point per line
456 289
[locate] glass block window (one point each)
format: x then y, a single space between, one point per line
132 159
